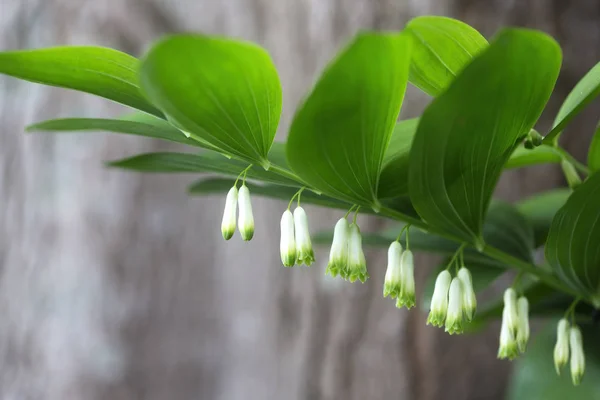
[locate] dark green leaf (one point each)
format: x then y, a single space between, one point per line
225 91
104 72
468 133
394 174
442 48
338 137
540 209
534 377
572 247
586 90
523 157
594 152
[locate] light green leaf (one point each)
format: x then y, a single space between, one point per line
594 152
540 209
586 90
442 48
104 72
468 133
523 157
207 161
572 247
534 377
394 174
225 91
339 135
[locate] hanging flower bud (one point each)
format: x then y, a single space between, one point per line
246 219
523 329
338 256
439 300
304 250
511 315
454 317
357 265
407 278
508 345
469 298
561 348
287 245
392 281
229 214
577 355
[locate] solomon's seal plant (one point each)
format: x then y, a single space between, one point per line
346 149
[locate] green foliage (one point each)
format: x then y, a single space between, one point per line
594 152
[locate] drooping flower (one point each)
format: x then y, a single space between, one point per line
511 313
561 348
338 255
392 280
407 279
304 250
357 264
229 214
454 317
246 218
287 244
577 355
508 345
469 297
439 300
523 328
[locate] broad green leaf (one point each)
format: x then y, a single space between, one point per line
572 247
225 91
523 157
104 72
540 209
594 152
394 174
534 377
207 161
442 47
339 135
469 132
586 90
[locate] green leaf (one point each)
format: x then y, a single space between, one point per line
467 134
540 209
394 174
207 161
442 48
523 157
586 90
534 377
339 135
572 247
225 91
594 152
104 72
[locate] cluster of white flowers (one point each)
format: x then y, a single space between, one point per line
238 199
569 338
346 257
399 280
514 332
453 299
295 245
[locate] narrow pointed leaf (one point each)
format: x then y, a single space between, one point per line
225 91
594 152
101 71
540 209
467 134
339 135
442 47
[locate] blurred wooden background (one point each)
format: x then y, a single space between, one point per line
118 286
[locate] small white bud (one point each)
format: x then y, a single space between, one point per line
508 344
407 278
561 348
454 317
338 256
510 307
246 219
304 250
439 300
392 280
287 245
229 214
523 329
469 297
577 355
357 264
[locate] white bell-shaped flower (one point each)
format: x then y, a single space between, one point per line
469 297
357 264
454 317
561 348
511 313
392 280
577 355
245 219
407 296
523 328
439 300
338 255
508 348
287 244
304 250
229 214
